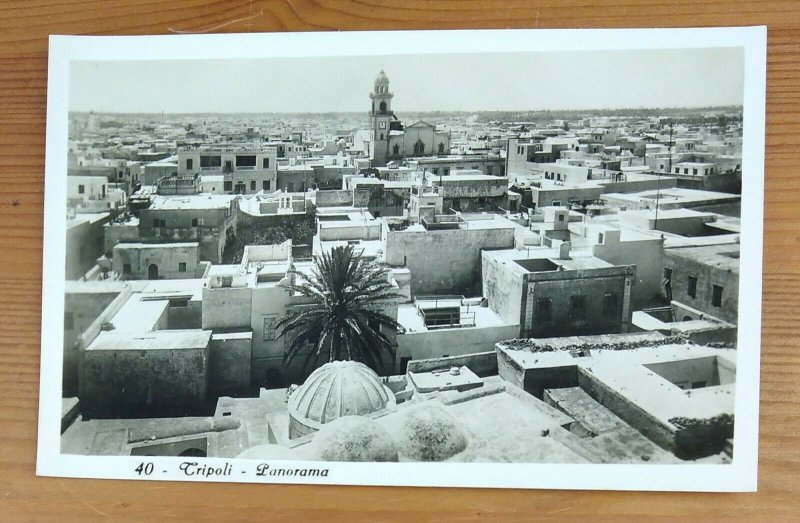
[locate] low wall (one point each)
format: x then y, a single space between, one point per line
452 342
482 363
654 429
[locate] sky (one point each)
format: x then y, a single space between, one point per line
451 82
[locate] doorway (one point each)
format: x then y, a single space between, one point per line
152 272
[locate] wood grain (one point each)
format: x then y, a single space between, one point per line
24 28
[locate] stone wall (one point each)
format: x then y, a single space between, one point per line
83 309
445 261
334 198
226 307
166 257
84 245
707 276
143 383
229 362
561 286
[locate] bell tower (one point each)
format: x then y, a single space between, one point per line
380 118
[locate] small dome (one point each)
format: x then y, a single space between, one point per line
430 434
337 389
354 438
382 79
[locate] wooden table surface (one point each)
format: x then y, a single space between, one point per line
24 28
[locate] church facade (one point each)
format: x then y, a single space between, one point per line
390 140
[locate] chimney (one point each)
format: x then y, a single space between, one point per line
563 250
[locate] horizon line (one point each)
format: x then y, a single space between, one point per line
610 109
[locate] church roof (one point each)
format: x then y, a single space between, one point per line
420 123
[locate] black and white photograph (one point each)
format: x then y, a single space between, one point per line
454 258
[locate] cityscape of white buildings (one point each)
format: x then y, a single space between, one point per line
567 288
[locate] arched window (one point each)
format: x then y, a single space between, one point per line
383 107
441 148
193 452
419 147
396 150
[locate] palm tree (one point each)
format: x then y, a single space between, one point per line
343 322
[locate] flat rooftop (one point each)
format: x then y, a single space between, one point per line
629 373
542 259
409 317
86 217
195 202
158 340
724 257
136 245
676 195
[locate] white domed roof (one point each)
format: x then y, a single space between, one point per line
337 389
382 79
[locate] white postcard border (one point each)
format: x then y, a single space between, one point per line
740 475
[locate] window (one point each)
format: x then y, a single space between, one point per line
228 186
126 268
189 164
265 185
556 203
181 266
544 309
694 171
561 217
396 150
436 171
159 223
252 185
81 189
210 161
610 306
270 332
577 308
716 295
245 160
381 136
692 288
419 147
600 237
265 163
194 222
685 170
69 321
441 148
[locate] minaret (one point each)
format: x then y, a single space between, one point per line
380 118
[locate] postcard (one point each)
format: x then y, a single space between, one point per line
505 258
